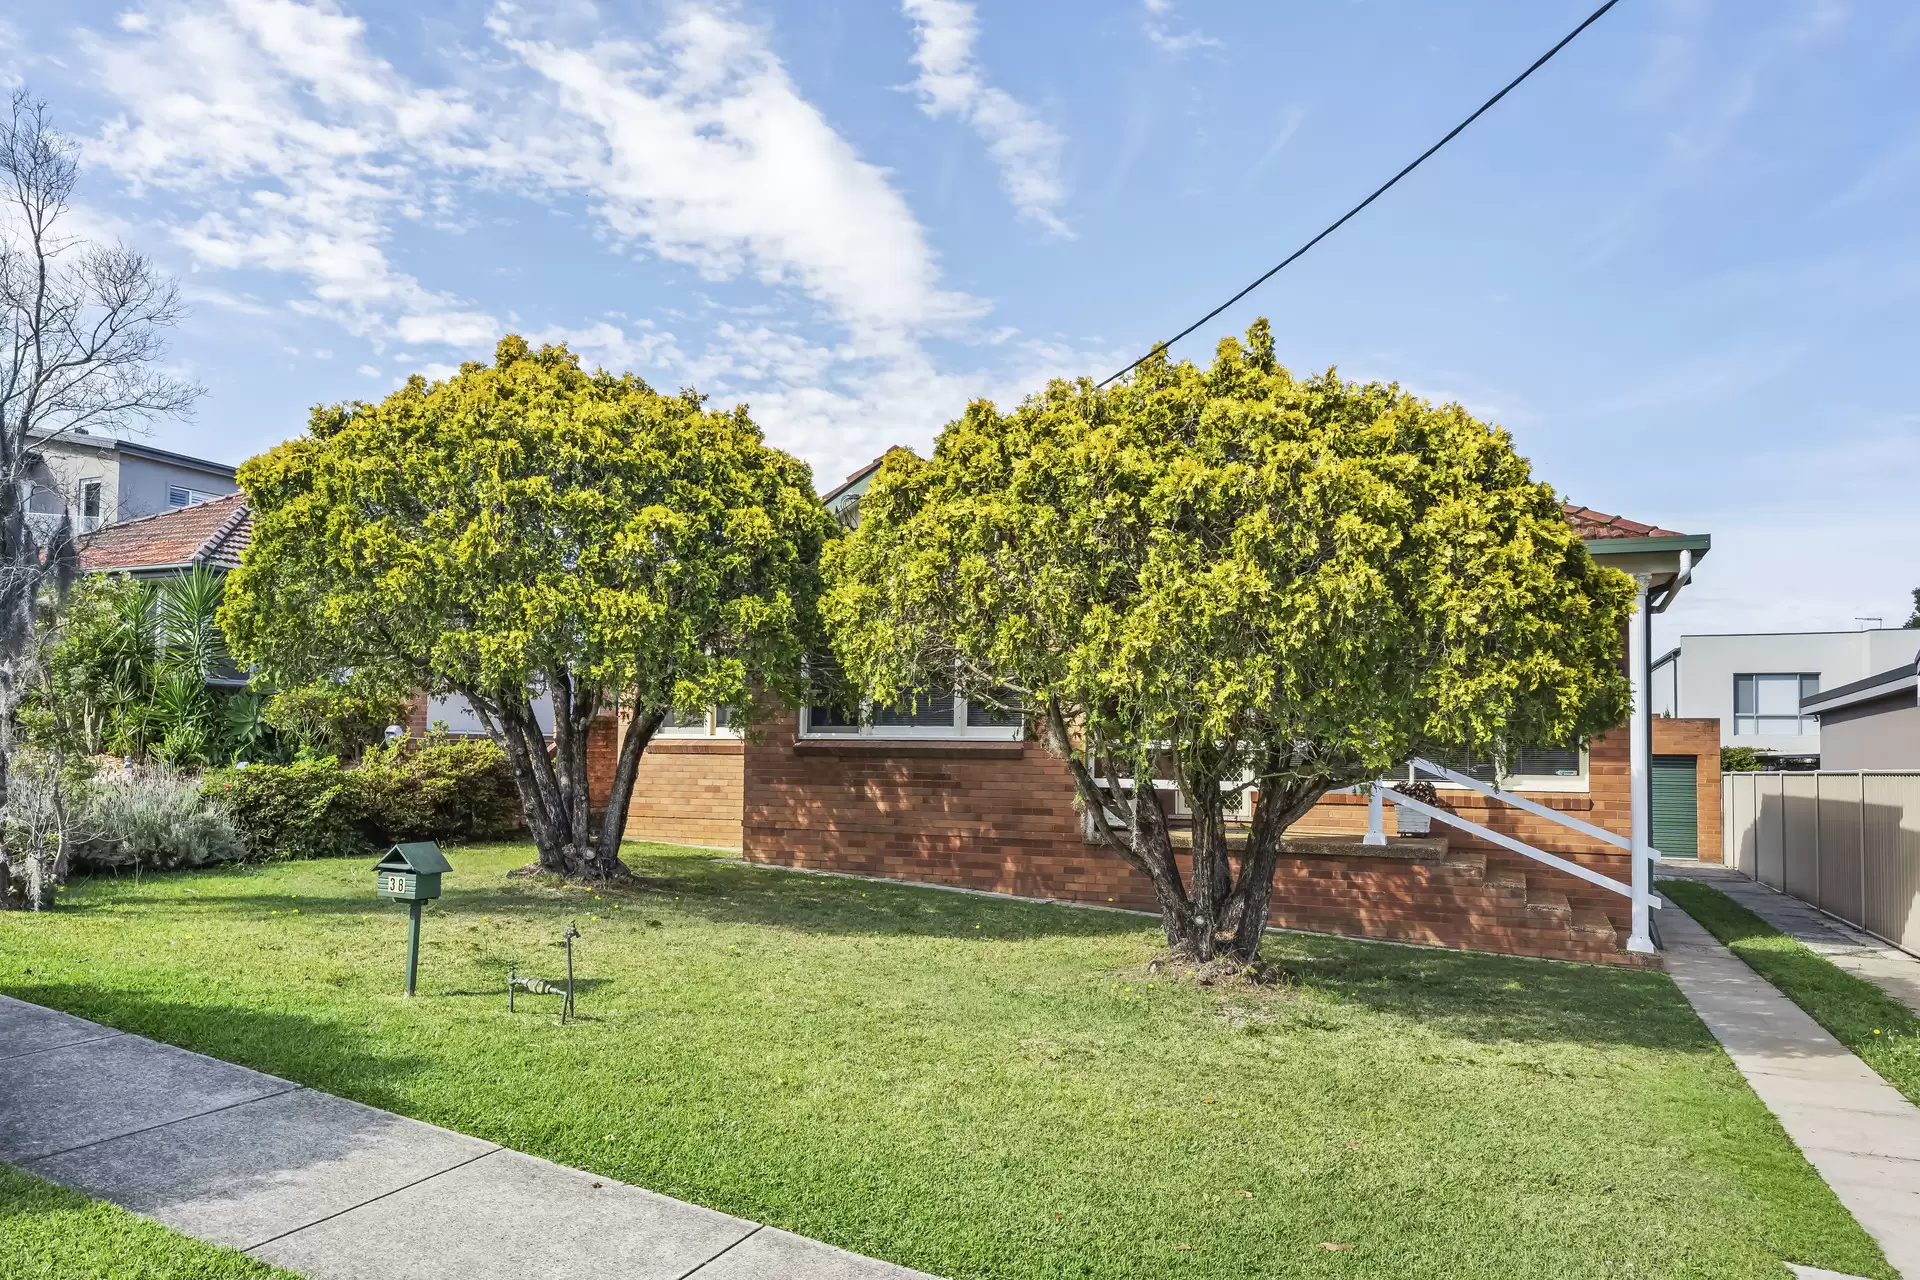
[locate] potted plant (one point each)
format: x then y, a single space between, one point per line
1406 821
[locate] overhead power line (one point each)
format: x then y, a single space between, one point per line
1379 191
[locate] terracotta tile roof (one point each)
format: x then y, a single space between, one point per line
214 533
1593 524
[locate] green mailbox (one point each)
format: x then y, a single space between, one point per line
410 873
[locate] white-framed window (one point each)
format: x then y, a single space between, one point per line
710 722
1530 769
931 714
90 500
1769 703
181 496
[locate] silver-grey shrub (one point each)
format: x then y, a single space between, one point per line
153 819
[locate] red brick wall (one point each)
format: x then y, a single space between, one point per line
996 816
1000 817
1700 739
688 791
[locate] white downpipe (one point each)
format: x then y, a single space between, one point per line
1376 817
1640 766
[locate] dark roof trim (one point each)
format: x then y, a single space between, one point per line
115 443
854 479
1698 543
1875 686
191 463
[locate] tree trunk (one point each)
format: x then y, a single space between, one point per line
640 730
1146 845
1276 808
553 784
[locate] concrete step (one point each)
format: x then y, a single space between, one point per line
1505 880
1589 922
1549 902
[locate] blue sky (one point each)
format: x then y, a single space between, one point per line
1681 264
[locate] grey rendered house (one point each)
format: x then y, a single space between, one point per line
1872 723
1763 686
102 480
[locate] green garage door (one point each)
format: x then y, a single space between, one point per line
1676 806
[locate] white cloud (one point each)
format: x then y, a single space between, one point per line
611 347
299 145
288 146
698 146
1025 147
1169 40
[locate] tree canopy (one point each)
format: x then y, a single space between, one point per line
1254 584
527 529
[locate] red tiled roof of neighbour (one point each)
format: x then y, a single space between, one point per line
213 533
1591 524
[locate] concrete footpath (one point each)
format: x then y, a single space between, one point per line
1854 1128
1859 953
338 1191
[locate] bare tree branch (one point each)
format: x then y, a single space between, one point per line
82 348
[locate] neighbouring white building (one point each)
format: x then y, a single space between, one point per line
1753 683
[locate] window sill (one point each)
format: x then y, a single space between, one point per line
695 747
921 747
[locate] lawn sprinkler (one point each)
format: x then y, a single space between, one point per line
541 987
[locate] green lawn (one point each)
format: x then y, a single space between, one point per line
1881 1030
51 1233
978 1087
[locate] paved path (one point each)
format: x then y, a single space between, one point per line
338 1191
1859 953
1862 1136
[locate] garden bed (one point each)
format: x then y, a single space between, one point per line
977 1087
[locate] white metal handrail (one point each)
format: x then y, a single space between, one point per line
1521 802
1508 842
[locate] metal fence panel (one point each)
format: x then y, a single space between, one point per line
1892 857
1849 843
1841 878
1800 835
1769 830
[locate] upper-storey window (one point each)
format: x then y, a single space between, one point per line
1770 703
181 496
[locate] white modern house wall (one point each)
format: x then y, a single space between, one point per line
1752 683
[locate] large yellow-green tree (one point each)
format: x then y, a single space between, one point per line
1247 582
527 529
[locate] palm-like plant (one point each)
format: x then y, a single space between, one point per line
189 636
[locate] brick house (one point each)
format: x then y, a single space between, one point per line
949 795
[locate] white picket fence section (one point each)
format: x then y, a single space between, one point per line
1849 843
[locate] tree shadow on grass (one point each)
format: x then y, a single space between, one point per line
1478 997
1490 999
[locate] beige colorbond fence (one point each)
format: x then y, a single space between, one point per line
1849 843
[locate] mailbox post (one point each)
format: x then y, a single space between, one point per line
410 873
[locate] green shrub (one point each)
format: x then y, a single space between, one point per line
308 809
450 789
442 788
1741 760
155 820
